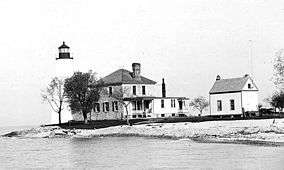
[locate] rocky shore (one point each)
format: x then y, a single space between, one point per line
265 132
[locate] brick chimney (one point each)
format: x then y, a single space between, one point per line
163 88
136 69
218 78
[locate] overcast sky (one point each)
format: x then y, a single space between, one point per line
186 42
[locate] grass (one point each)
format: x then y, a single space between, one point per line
97 124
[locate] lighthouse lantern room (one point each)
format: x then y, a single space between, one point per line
64 52
64 62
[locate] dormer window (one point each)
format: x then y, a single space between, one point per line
249 86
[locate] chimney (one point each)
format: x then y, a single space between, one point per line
218 78
136 69
163 88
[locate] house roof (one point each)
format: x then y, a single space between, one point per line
123 76
230 85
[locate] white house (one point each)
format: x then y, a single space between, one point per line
233 96
128 93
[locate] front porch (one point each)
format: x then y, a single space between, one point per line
156 107
140 107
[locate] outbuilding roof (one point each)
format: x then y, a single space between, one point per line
230 85
123 76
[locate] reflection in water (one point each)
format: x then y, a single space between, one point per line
135 152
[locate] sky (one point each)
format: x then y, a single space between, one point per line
186 42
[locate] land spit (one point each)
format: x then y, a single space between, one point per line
263 132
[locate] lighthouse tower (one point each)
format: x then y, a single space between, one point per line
64 62
64 69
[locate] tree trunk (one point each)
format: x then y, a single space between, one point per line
200 113
127 119
59 112
59 117
85 117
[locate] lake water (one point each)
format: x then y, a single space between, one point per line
134 153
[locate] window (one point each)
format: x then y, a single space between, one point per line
162 103
133 116
143 90
114 106
96 107
232 104
219 105
249 86
162 115
110 90
105 106
173 103
134 90
173 114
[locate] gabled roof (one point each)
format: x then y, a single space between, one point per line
123 76
230 85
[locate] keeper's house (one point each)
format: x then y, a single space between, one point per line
233 96
128 93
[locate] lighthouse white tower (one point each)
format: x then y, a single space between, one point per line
64 69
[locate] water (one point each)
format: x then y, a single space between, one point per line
135 153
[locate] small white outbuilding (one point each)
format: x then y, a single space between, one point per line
233 96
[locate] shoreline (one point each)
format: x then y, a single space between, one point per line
254 132
194 139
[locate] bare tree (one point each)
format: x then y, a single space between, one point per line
118 94
199 103
55 96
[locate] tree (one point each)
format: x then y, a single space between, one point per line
55 96
82 90
277 100
118 94
278 67
199 103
